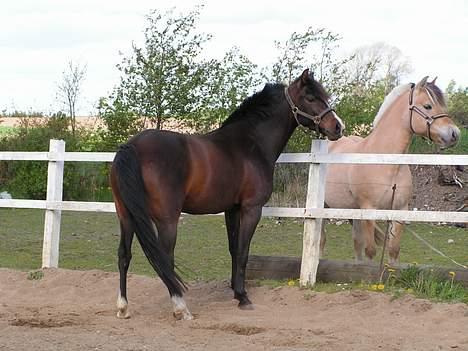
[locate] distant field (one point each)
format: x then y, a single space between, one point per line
6 130
90 241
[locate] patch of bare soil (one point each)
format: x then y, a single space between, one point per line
432 190
75 310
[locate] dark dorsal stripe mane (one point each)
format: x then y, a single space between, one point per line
260 105
257 105
436 93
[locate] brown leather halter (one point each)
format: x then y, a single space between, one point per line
316 119
423 114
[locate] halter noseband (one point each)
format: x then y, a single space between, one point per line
423 114
295 111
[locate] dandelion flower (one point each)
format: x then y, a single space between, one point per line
291 283
452 274
380 286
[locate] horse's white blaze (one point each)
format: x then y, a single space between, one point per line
122 306
340 121
180 308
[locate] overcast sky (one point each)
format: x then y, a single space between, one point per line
39 37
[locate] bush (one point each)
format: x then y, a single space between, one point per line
28 179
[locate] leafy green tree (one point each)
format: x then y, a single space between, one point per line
164 78
228 83
458 103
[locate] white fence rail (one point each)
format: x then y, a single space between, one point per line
312 213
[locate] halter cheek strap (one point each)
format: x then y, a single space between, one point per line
423 114
296 111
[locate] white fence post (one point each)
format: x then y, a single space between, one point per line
312 227
50 248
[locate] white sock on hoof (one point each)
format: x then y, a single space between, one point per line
122 306
180 308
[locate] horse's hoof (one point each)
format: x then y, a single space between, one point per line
183 316
123 314
246 307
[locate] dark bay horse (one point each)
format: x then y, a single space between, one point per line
159 174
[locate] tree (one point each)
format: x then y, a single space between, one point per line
69 89
370 74
316 49
458 103
378 62
227 84
164 78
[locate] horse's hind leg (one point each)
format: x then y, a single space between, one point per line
323 238
394 242
167 234
358 238
125 256
367 230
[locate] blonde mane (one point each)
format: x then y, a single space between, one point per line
389 100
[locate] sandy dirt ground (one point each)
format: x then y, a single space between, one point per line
75 310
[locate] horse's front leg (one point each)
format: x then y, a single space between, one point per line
232 218
249 218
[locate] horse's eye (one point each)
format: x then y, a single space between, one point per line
310 98
427 107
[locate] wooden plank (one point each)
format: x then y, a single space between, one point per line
280 267
14 203
412 216
82 206
297 157
89 156
285 212
418 159
50 249
23 156
396 159
313 227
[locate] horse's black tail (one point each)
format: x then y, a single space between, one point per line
132 191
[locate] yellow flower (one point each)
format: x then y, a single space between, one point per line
373 287
391 270
291 283
409 290
380 286
452 274
414 263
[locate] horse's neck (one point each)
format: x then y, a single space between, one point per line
273 135
392 135
270 135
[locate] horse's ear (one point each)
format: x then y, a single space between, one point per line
422 83
433 81
306 76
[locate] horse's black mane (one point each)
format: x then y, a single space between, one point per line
261 104
258 105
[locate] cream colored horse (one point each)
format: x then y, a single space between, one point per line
406 111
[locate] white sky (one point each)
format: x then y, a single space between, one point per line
39 37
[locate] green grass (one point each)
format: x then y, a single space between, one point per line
90 241
7 131
430 285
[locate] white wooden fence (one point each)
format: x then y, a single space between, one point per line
314 211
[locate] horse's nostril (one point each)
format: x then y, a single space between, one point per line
338 128
454 135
